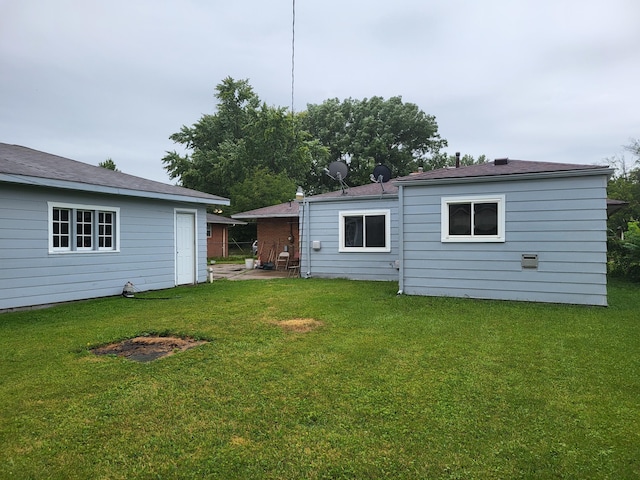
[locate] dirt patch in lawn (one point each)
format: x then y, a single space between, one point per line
148 348
299 325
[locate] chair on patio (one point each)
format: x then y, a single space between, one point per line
283 261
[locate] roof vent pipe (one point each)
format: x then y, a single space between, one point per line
457 159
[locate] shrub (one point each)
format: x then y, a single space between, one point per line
624 255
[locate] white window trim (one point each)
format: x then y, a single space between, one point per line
72 249
352 213
444 219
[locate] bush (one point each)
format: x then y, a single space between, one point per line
624 255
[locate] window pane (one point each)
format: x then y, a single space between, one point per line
353 231
84 228
375 230
105 229
460 219
60 228
485 219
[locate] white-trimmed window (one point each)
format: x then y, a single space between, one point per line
473 219
365 231
83 228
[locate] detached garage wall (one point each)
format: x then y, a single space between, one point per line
561 220
30 275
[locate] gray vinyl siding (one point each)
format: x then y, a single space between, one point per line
30 275
328 262
563 221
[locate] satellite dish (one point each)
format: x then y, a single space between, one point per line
381 174
338 170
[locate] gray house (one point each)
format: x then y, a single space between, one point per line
511 230
71 231
351 234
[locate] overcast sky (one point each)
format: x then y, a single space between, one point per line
549 80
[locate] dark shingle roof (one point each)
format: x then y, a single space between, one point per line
219 219
21 161
282 210
493 169
290 209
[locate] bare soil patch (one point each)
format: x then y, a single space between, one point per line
299 325
148 348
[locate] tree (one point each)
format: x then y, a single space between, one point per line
442 160
108 164
373 131
242 137
624 234
625 185
262 188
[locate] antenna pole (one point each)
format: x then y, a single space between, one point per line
293 53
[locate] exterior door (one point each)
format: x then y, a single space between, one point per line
185 248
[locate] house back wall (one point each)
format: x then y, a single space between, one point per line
328 262
563 221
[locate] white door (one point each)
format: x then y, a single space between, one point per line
185 248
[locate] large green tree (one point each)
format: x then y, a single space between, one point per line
242 137
373 131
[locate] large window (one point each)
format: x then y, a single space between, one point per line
473 219
365 231
83 228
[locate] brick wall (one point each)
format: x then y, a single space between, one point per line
273 236
217 242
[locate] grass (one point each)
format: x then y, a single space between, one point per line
387 387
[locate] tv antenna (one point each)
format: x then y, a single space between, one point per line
381 174
338 171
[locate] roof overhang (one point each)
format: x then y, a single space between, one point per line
84 187
342 198
606 171
614 205
265 215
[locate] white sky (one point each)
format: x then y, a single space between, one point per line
549 80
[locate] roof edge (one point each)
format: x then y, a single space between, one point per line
63 184
342 198
508 177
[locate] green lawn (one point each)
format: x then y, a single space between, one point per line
387 387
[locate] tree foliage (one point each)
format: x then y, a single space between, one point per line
109 165
624 232
244 136
373 131
625 185
245 146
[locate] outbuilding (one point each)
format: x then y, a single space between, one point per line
70 230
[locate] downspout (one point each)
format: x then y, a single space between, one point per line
401 239
308 246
